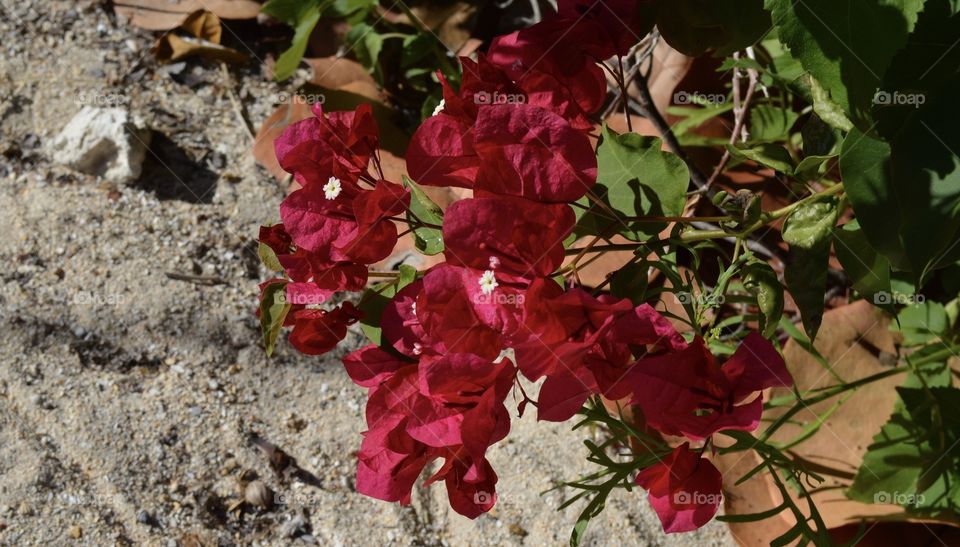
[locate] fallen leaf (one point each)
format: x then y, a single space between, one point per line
856 340
169 14
345 74
172 48
204 26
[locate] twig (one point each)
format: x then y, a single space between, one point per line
209 280
237 107
741 117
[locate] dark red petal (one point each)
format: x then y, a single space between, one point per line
525 237
756 365
370 365
441 153
563 394
399 323
385 200
684 489
530 152
317 224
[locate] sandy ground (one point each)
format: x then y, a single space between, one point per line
127 398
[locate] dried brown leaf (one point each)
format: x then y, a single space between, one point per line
168 14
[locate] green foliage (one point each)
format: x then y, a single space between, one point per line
911 461
868 269
771 155
376 298
922 323
847 59
273 311
907 208
370 37
427 239
365 44
760 279
269 258
303 16
809 231
634 179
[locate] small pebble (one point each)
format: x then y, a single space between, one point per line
144 517
258 494
75 532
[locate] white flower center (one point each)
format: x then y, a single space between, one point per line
488 282
439 107
332 188
413 308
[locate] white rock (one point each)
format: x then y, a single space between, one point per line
107 142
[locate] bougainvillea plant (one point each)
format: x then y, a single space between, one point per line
674 352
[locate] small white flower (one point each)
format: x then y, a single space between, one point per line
332 188
494 262
488 282
439 107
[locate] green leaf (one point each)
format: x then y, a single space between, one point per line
303 17
809 167
848 57
694 27
269 258
906 194
365 44
824 107
416 48
634 179
694 117
273 311
354 10
760 279
808 231
910 461
376 298
770 123
818 137
427 240
868 269
811 224
770 155
922 322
